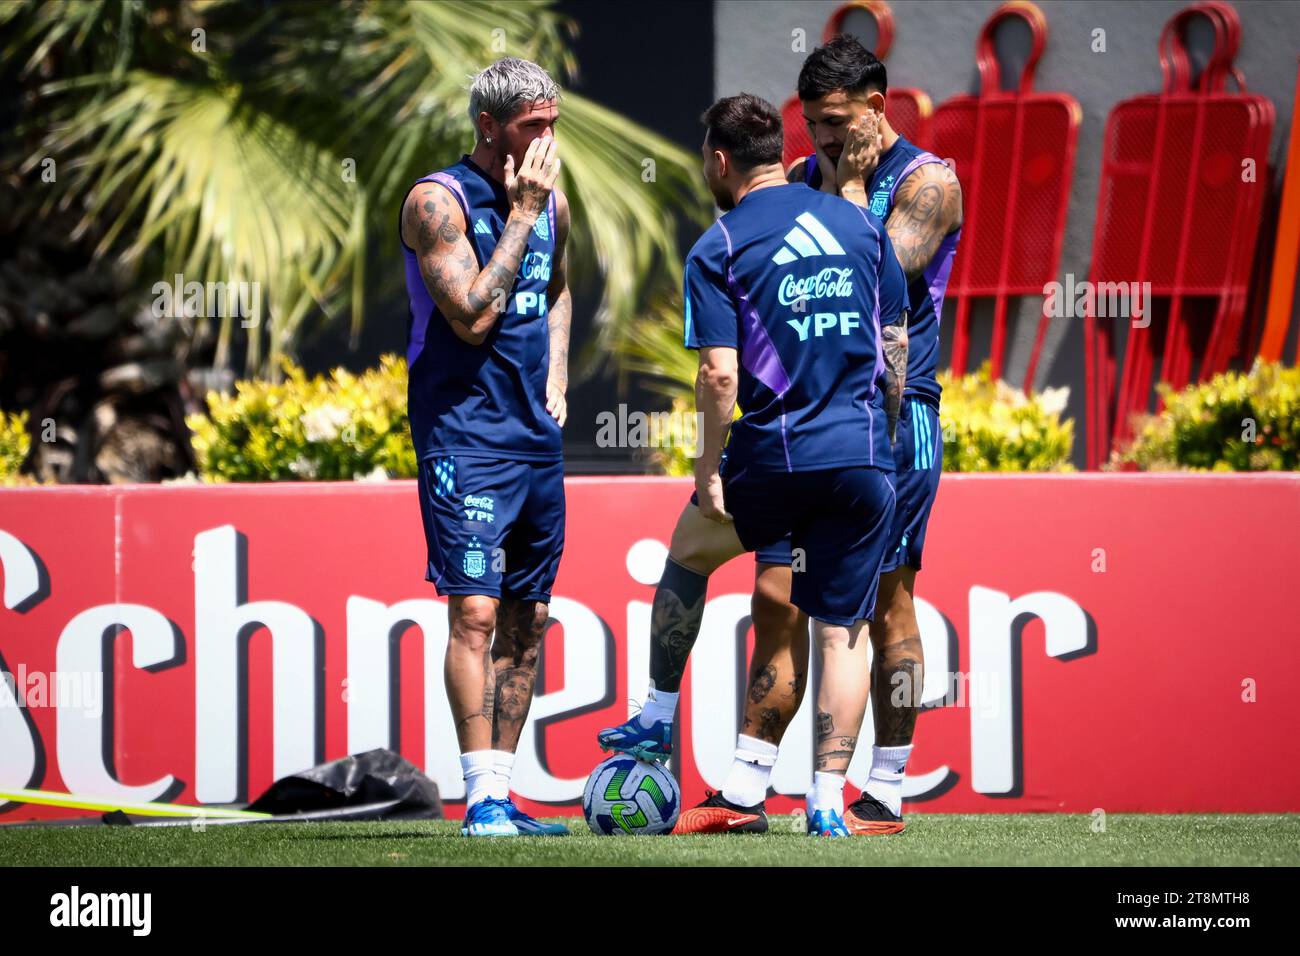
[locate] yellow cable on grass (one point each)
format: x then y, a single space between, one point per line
103 804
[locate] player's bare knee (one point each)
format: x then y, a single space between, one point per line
772 587
520 627
901 644
688 549
527 637
700 545
539 616
473 619
828 637
895 633
905 652
771 610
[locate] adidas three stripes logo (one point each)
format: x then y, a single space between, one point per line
813 239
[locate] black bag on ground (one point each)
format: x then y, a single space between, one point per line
381 779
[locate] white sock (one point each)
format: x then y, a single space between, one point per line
479 770
827 792
885 782
660 705
746 783
503 763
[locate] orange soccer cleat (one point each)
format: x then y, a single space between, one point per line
867 816
717 814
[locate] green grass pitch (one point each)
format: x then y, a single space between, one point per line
930 840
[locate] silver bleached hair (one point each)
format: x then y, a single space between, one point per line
504 87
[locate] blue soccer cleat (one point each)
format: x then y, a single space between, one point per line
489 818
827 823
636 740
528 826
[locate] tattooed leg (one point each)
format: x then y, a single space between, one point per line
675 624
776 679
897 675
699 546
899 667
842 696
468 671
514 663
779 670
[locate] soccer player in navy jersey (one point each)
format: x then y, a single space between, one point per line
484 243
860 157
785 296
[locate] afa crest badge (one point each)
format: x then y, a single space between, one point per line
475 560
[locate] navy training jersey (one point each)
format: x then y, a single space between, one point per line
925 294
799 282
487 400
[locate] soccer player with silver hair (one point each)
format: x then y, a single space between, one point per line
484 247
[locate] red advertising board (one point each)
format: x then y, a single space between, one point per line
1092 641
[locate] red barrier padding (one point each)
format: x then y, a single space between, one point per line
1091 641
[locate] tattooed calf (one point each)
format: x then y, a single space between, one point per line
769 725
762 684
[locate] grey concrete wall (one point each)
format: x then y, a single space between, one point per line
934 49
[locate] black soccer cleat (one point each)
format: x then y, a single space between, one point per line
867 816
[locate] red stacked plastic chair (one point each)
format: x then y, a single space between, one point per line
907 108
1014 154
1273 326
1174 209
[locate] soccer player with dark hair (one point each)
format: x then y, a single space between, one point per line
860 157
488 347
785 296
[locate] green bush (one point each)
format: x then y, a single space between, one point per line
677 458
1233 422
15 443
987 426
340 427
990 426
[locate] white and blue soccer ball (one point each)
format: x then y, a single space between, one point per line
629 797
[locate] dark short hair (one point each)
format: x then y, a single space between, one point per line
842 64
746 126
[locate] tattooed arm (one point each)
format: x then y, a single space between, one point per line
715 402
894 343
559 312
927 207
434 227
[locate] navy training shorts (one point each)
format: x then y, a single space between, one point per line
838 519
493 526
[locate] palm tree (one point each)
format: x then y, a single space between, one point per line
266 143
272 144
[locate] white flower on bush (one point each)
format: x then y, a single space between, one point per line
324 422
303 468
1052 400
189 478
379 474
